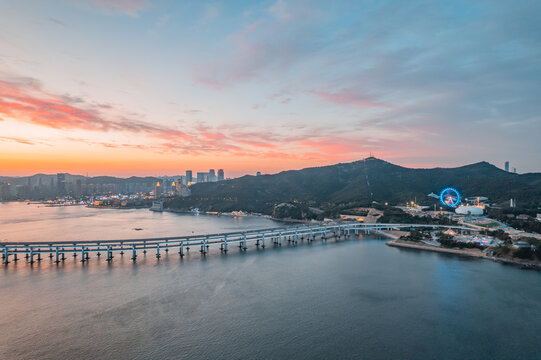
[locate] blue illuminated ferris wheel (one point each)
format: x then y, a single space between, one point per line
450 197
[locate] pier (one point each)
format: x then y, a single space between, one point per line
32 252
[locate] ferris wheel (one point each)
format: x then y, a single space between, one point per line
450 197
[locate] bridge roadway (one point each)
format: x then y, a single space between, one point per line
34 251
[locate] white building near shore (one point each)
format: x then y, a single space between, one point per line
469 210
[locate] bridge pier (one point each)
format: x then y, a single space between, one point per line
109 254
263 241
204 246
181 250
158 251
134 253
225 243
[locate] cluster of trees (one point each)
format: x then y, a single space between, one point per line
417 235
393 215
337 187
530 225
448 242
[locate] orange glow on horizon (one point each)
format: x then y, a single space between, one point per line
136 164
125 166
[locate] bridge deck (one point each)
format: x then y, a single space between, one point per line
59 249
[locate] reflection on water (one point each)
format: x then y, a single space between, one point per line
21 222
351 299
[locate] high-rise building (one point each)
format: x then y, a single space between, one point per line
189 179
515 170
61 184
221 175
201 177
507 166
157 190
78 187
258 173
212 175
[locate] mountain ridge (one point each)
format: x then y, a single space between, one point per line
361 182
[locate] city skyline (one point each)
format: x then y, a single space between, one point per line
135 87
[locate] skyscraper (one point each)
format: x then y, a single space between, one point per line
221 175
507 166
78 187
61 184
201 177
212 175
188 177
157 190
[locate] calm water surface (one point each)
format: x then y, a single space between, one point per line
353 299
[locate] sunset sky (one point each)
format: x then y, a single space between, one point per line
148 87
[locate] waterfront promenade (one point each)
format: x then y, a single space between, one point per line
33 252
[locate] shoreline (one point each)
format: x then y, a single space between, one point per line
478 255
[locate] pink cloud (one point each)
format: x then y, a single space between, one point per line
24 100
258 144
285 101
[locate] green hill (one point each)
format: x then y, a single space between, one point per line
361 183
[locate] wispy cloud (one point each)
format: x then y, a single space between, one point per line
348 97
283 35
56 21
24 99
16 140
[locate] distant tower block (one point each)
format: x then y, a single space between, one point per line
189 178
221 176
258 173
157 190
507 166
515 170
